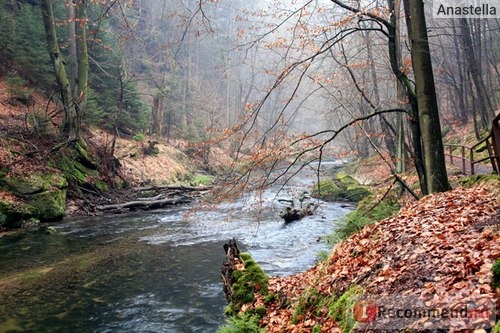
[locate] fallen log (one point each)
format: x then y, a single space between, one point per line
173 188
157 197
300 207
142 204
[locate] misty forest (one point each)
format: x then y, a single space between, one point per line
249 166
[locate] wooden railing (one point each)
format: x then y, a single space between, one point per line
492 144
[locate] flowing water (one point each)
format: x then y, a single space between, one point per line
149 272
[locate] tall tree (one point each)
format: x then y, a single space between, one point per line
428 113
73 94
428 152
70 123
487 111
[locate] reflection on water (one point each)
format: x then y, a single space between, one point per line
148 272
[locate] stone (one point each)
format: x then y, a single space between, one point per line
13 213
39 196
50 205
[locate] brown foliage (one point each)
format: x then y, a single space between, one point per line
439 249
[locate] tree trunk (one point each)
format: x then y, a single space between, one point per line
229 265
430 127
384 122
157 115
400 95
299 207
83 58
484 101
70 124
413 119
72 52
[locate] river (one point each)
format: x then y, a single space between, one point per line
150 271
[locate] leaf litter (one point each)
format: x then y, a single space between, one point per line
437 252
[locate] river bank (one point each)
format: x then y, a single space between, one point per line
437 253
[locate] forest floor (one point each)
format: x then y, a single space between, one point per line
435 254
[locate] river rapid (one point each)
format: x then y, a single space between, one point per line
150 271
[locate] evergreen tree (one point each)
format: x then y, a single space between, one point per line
114 100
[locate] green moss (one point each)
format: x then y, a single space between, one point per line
79 171
308 301
33 183
322 256
342 187
368 211
249 320
12 213
496 274
259 311
73 170
201 179
271 297
83 156
44 198
378 210
496 329
477 179
326 190
341 310
139 137
56 180
50 205
346 180
100 185
247 282
245 323
351 223
357 193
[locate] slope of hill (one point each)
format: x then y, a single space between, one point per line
36 171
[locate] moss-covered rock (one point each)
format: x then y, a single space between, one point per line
327 190
346 180
37 195
32 183
50 205
78 165
357 193
343 187
13 213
